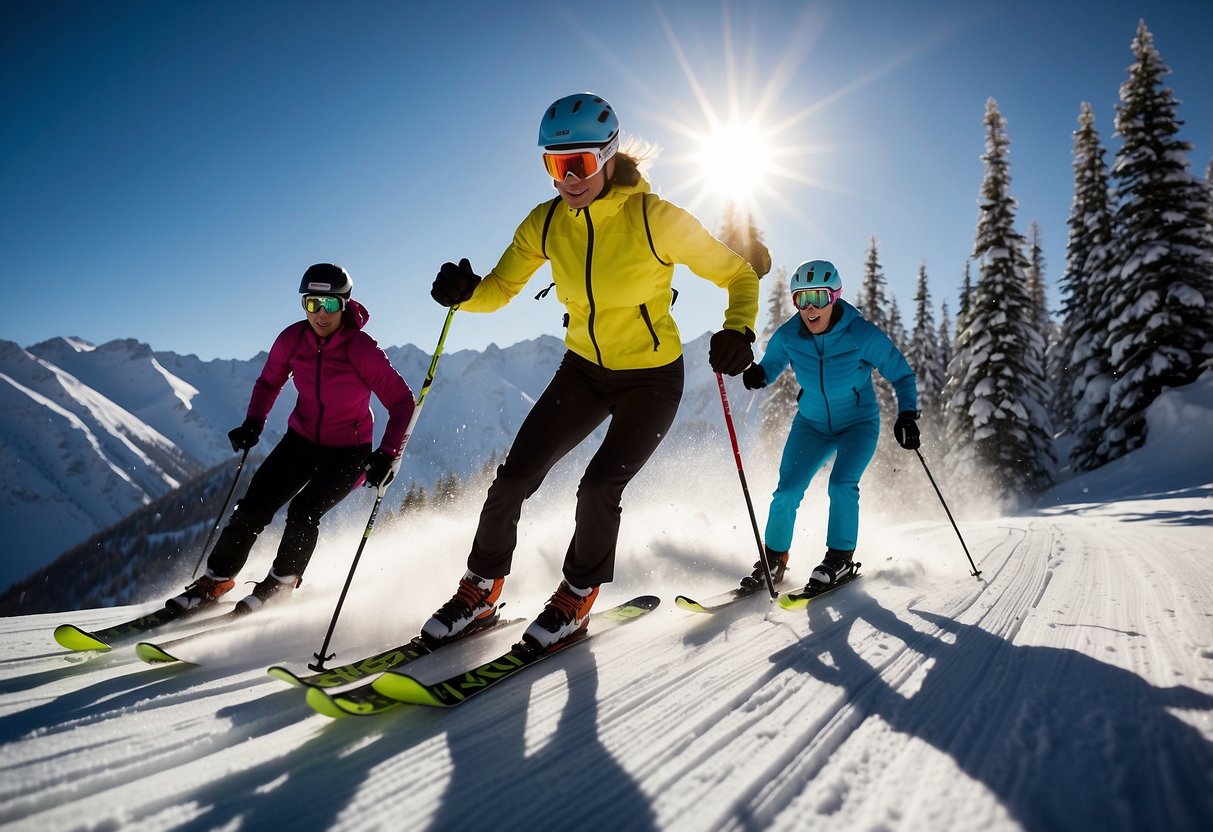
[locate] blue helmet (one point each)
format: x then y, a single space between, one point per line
579 120
816 274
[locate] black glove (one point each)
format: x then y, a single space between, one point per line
454 284
378 467
905 430
754 377
729 351
245 436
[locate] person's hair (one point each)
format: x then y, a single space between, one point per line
631 160
347 318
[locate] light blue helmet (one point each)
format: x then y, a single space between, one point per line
816 274
579 120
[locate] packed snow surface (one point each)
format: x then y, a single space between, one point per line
1071 687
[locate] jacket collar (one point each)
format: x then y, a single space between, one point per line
612 203
847 315
355 310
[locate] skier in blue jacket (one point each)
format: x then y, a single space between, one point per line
832 349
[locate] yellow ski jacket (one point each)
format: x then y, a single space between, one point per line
613 264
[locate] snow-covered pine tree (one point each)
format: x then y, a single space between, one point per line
1209 183
1036 277
873 299
1082 373
966 300
740 233
414 499
897 330
924 354
874 303
999 431
945 339
1040 306
1161 332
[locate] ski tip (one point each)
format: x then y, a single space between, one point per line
152 654
793 601
647 603
404 688
73 638
322 703
689 604
284 675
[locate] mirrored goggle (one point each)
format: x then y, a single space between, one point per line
582 162
817 298
323 303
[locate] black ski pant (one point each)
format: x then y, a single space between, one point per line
641 405
313 478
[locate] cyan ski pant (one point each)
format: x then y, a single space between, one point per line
581 395
807 449
313 478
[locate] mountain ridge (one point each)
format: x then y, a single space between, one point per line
95 433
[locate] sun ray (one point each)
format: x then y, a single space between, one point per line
745 146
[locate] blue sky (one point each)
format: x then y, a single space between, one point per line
168 170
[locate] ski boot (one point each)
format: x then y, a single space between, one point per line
835 568
273 589
473 606
778 563
203 592
567 612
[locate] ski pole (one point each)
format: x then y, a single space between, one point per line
218 520
976 573
762 554
322 655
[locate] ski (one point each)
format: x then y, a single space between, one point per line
159 652
798 599
461 687
362 700
359 670
79 639
365 700
717 602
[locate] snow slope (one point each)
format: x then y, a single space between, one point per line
1070 688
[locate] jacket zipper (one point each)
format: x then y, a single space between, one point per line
589 283
644 313
319 402
821 380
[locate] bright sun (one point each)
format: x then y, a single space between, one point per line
734 161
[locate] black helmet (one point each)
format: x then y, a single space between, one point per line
326 279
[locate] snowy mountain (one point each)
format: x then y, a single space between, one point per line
93 433
74 458
1071 688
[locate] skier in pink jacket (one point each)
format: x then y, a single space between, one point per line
326 452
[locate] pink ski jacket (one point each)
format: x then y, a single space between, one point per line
335 378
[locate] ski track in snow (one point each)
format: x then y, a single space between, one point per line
1071 688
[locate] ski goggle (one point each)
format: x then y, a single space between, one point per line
582 162
323 303
816 298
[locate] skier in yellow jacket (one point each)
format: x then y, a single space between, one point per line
612 245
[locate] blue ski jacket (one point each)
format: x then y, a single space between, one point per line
835 369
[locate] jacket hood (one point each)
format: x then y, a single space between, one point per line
358 313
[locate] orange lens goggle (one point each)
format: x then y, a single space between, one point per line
582 162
